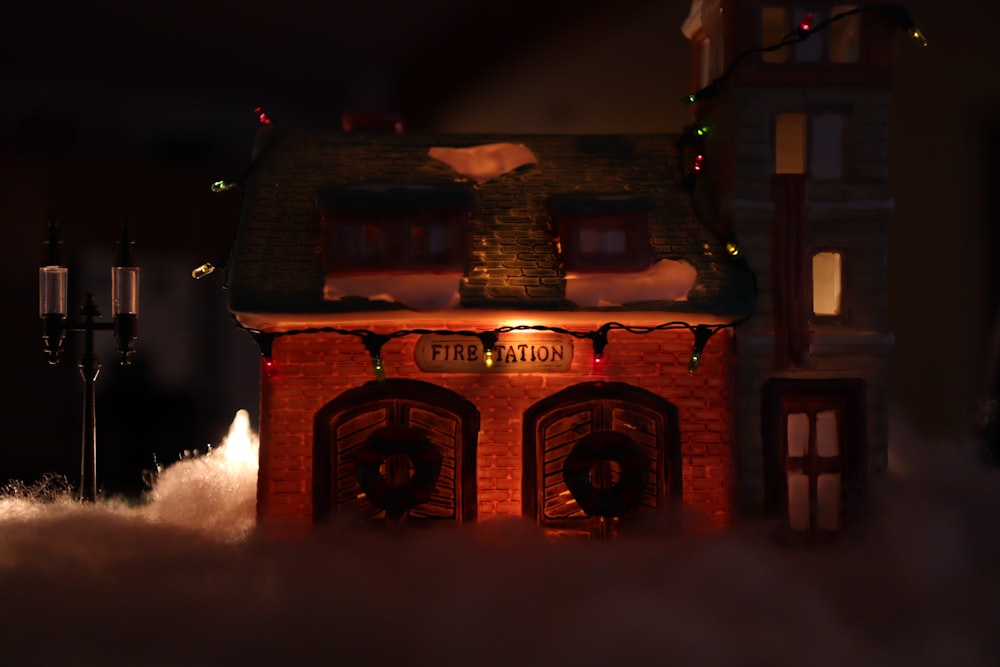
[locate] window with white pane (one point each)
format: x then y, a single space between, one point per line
813 469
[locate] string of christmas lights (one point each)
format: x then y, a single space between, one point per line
223 185
806 29
698 132
373 342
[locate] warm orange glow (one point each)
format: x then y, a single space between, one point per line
826 279
790 143
486 161
240 447
773 26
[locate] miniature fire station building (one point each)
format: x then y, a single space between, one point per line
584 330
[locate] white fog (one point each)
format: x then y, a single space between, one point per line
184 580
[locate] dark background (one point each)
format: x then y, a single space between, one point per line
115 109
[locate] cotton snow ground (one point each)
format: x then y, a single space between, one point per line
112 585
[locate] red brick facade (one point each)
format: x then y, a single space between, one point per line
313 369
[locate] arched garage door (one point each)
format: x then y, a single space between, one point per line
359 417
615 411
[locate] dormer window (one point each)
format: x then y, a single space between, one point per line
838 42
394 228
602 232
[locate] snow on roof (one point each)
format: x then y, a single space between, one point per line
485 162
666 280
276 263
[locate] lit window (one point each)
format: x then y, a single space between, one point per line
773 28
844 35
790 143
815 454
812 470
602 232
827 271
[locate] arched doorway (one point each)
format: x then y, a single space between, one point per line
353 422
611 411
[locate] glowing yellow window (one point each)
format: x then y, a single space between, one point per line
790 143
826 283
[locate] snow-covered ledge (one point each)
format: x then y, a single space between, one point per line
667 280
416 291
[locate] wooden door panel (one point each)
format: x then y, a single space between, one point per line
351 434
342 426
553 427
441 429
567 426
645 428
443 424
560 430
561 505
361 421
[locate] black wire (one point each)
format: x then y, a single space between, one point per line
899 15
373 340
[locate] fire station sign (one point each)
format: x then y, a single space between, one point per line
517 352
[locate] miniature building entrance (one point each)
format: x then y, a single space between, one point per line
399 449
599 449
814 448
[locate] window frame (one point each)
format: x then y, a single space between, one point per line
792 54
395 211
776 137
821 318
811 464
809 142
783 396
576 213
396 231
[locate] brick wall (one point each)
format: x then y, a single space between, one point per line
313 369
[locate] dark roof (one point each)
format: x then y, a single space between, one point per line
276 260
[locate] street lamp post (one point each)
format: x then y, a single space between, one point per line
52 289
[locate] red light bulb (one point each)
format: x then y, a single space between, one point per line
698 160
270 367
807 21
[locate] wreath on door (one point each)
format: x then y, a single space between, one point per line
622 495
396 500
